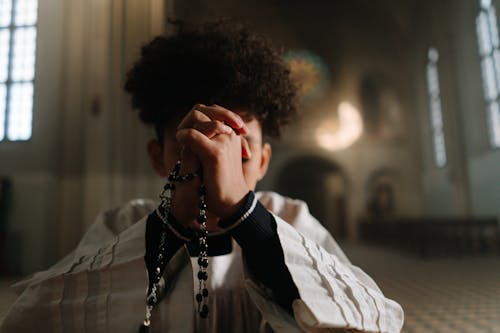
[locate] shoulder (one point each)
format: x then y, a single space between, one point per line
287 208
110 223
293 211
116 234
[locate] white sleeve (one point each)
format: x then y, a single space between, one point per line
333 298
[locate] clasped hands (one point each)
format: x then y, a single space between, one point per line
211 137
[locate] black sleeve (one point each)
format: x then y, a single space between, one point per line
258 237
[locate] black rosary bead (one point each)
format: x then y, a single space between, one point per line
162 213
203 262
202 275
203 190
169 186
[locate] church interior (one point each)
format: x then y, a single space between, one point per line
396 149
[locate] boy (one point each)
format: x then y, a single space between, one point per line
213 94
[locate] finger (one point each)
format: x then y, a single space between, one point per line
193 139
193 116
229 117
246 153
212 128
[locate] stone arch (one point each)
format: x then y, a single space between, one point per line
322 184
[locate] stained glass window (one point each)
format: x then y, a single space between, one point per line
436 114
18 19
489 50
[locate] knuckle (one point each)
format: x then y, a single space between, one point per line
191 133
219 126
213 155
219 150
196 114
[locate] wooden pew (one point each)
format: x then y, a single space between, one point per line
432 236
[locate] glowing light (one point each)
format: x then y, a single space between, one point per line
336 134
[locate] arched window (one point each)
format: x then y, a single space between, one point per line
487 36
18 19
436 115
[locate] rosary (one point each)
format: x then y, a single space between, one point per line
162 212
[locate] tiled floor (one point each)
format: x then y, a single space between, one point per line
438 296
460 295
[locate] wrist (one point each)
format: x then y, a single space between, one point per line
233 205
244 210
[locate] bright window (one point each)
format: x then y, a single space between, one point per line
436 115
18 19
487 36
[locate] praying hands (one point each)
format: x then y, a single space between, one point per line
212 138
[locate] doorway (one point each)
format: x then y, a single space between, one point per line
322 184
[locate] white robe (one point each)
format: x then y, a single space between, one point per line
101 285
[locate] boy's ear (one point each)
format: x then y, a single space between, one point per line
155 153
265 158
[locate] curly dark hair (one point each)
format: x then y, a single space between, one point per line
220 62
